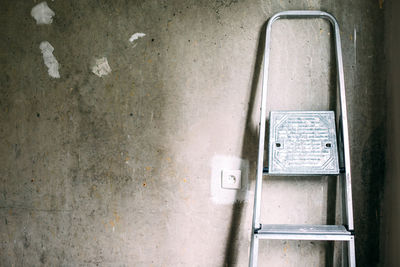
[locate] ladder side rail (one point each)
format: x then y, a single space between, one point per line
253 260
261 144
345 132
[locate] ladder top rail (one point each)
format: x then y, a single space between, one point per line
304 14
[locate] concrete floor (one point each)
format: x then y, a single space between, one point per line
118 170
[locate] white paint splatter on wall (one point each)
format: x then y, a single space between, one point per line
101 67
136 36
49 60
42 13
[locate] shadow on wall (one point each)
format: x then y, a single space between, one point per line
249 151
363 56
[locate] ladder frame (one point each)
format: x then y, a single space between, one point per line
343 135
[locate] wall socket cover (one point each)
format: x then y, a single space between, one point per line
231 179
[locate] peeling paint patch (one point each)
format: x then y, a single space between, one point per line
101 67
42 13
136 36
49 60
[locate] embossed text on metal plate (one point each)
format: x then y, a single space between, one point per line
302 142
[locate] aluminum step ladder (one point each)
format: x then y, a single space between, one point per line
304 143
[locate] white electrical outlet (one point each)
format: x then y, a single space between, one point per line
231 179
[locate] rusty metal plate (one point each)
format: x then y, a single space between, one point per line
302 143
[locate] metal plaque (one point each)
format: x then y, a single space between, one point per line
303 142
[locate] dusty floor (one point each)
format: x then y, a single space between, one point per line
117 170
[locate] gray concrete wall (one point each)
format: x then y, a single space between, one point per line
120 170
390 229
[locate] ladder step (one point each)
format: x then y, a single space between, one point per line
303 232
303 143
266 171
